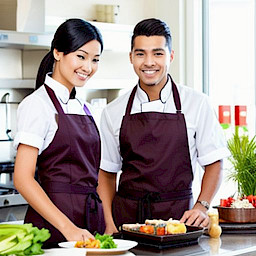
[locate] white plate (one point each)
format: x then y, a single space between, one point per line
122 246
65 252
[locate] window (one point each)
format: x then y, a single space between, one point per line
229 62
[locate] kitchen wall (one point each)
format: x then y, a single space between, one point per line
115 68
183 17
131 12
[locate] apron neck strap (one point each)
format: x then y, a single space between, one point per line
87 111
57 104
176 98
129 105
54 99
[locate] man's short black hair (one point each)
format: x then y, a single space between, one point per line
152 27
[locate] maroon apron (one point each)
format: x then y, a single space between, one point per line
68 172
156 174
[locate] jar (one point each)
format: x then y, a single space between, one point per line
214 227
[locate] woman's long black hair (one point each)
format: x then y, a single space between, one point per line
70 36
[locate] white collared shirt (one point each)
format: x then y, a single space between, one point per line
36 123
206 139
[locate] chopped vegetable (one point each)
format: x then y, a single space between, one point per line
226 202
100 241
244 202
22 239
106 241
89 243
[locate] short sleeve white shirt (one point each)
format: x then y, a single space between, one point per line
206 139
36 123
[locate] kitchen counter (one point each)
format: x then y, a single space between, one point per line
227 244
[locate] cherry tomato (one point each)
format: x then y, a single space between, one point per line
250 198
230 201
223 202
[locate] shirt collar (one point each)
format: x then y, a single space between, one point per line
165 92
61 91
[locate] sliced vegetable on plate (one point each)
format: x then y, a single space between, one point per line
100 241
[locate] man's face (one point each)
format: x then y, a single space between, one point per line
151 59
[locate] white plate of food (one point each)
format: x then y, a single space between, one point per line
122 246
65 252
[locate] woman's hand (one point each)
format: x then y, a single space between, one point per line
77 234
110 229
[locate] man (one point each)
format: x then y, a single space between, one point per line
155 134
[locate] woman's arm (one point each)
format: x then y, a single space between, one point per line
107 190
33 193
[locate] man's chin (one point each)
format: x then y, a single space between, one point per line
148 83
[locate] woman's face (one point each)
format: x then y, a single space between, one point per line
75 68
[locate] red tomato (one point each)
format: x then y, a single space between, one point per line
227 202
223 202
250 198
230 201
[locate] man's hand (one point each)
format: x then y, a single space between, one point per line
195 217
210 184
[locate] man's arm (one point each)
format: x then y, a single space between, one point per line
107 190
210 184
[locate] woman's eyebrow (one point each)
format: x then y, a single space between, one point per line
97 55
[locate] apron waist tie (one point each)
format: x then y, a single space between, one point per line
92 199
145 198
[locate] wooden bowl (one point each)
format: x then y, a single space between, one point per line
237 215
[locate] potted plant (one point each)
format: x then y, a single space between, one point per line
243 160
243 172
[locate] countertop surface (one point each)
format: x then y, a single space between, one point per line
227 244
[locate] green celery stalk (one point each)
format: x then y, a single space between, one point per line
22 239
41 235
12 231
34 249
18 248
7 246
26 227
5 243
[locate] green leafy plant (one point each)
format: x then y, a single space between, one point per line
243 160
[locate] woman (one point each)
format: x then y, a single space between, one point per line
57 134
